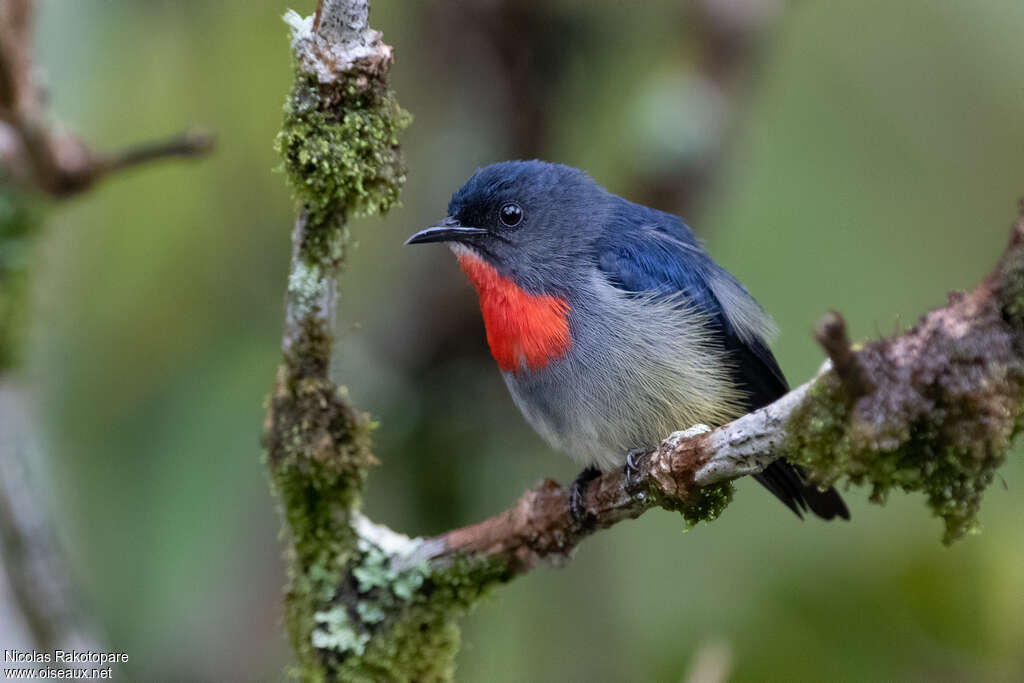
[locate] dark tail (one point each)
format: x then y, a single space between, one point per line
789 484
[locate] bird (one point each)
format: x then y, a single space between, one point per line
611 324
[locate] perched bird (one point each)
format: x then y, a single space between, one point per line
610 323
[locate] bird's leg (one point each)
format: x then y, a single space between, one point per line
577 494
632 467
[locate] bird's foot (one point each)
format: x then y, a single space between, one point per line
578 493
632 468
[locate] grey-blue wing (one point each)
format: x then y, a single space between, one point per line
666 258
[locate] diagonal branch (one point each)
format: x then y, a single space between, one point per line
190 143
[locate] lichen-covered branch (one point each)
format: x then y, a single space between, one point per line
932 410
340 152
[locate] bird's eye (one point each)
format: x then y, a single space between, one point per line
510 214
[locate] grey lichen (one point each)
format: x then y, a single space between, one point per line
397 621
370 612
305 287
342 38
334 632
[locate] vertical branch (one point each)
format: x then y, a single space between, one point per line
362 603
349 615
340 151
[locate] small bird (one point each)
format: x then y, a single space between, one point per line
610 323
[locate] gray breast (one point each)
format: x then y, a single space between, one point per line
640 368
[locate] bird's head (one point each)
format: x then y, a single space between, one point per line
522 232
529 220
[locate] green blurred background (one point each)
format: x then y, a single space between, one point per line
872 162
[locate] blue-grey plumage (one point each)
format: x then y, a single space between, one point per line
639 369
611 324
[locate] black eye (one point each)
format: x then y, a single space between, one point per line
510 214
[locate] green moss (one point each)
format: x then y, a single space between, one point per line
702 504
708 503
819 435
352 614
339 147
944 444
318 451
421 646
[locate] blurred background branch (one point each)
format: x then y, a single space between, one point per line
41 596
39 158
41 154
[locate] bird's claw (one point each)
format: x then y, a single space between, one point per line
632 468
578 494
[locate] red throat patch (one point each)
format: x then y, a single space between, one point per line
520 326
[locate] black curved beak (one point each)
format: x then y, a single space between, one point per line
450 230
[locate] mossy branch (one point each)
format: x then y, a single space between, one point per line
932 410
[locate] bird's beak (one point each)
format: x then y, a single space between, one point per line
450 230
